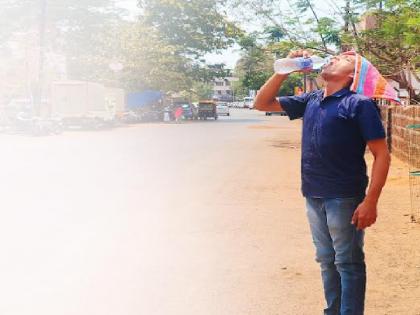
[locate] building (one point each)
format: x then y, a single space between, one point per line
368 21
223 89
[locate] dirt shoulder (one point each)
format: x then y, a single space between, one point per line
392 244
392 249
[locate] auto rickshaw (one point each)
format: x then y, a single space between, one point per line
207 109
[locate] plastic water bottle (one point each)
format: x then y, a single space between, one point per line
288 65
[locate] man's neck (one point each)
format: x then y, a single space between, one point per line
333 87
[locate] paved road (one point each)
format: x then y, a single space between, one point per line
157 219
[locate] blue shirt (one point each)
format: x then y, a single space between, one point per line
335 131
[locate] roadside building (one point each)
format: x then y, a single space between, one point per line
223 89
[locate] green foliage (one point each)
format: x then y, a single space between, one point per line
288 86
255 65
330 31
196 26
275 34
159 51
150 62
394 44
202 91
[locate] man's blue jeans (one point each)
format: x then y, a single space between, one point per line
339 250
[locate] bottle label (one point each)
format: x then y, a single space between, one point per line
305 63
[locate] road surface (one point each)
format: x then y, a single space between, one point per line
159 219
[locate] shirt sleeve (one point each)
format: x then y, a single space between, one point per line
369 120
294 106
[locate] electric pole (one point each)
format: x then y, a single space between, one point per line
39 86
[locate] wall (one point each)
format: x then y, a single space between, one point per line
401 139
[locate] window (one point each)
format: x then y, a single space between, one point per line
219 83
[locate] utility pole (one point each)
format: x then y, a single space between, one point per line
40 83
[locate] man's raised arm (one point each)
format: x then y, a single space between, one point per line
266 98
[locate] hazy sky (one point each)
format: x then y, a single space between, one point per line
130 5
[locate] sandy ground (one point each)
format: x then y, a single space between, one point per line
392 247
392 244
198 218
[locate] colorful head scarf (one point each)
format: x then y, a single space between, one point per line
369 82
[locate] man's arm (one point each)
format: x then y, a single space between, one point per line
266 98
366 213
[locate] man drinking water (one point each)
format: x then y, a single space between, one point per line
338 123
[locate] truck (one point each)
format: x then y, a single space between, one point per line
80 104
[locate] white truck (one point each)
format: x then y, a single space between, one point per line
80 103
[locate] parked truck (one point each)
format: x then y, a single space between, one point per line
81 104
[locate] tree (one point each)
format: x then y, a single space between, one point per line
288 86
202 91
73 28
159 51
255 66
297 22
150 62
392 45
195 27
393 41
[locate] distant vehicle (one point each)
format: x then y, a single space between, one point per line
26 105
152 115
222 109
189 111
36 126
130 117
282 113
82 104
207 109
237 104
249 102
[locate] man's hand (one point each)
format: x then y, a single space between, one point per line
365 214
266 97
300 53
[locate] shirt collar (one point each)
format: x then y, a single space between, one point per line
342 92
336 95
339 93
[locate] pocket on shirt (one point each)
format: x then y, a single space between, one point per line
345 111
